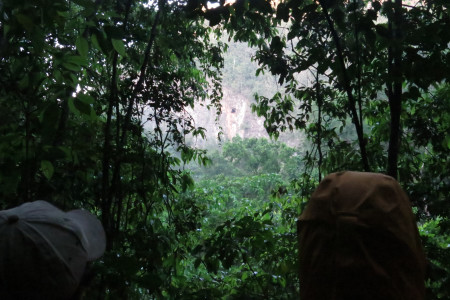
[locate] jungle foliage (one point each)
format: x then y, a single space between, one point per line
92 109
252 156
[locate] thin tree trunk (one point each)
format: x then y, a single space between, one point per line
346 83
115 181
27 195
319 98
61 130
395 88
106 201
108 190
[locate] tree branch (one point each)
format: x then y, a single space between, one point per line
347 86
395 87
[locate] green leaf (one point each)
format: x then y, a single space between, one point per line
76 60
82 46
95 42
82 107
244 276
50 116
86 98
74 79
24 82
72 107
79 107
71 67
85 3
382 30
58 76
37 39
446 142
119 46
47 169
25 21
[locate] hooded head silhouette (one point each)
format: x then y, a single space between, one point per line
358 239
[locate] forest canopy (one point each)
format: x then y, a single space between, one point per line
93 110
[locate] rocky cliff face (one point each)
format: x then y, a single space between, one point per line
236 119
239 84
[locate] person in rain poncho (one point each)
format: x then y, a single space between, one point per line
358 239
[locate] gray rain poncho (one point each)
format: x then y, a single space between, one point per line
358 239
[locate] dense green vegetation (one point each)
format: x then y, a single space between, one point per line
247 157
80 80
246 239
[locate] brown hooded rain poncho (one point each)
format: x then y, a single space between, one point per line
358 239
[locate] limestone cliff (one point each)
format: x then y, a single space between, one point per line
236 119
239 85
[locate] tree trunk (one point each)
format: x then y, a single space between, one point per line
347 86
395 88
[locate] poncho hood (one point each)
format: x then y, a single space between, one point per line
358 239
